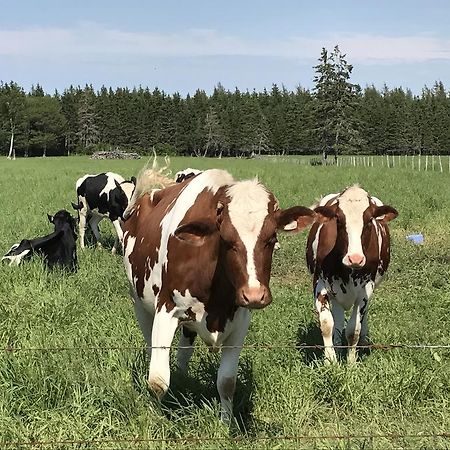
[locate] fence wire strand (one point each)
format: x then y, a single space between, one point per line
236 439
299 347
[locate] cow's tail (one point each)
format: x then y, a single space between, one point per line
149 179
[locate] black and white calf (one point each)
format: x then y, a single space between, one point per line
99 196
57 248
186 174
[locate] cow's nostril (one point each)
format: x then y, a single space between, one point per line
245 297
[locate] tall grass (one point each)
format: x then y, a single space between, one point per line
94 394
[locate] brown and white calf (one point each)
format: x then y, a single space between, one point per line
347 253
199 254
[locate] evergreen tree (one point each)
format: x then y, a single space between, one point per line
215 138
336 100
88 132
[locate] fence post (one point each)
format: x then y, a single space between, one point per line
426 163
432 162
387 160
440 162
412 162
420 159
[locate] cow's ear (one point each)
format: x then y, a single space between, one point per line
50 218
294 219
117 184
195 233
327 227
75 206
324 214
385 213
133 180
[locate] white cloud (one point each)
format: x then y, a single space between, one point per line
90 40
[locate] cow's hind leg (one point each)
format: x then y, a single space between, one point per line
326 321
185 348
226 376
93 223
164 327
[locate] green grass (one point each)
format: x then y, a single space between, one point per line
87 394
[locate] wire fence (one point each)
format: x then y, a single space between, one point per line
236 439
287 346
180 441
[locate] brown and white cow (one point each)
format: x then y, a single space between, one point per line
199 254
348 253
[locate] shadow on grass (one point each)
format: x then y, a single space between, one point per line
311 335
198 388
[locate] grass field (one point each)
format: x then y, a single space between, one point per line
82 394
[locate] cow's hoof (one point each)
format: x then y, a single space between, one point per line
158 387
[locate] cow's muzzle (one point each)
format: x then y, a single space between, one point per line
254 297
354 260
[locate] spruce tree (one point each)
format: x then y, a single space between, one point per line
336 101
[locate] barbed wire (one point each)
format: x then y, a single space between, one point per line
236 439
299 347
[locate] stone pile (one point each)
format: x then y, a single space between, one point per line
115 154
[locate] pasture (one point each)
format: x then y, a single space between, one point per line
79 372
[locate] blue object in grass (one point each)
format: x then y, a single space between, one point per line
415 238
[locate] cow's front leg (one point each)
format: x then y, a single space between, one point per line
326 322
339 321
82 225
353 330
185 348
164 327
119 236
226 376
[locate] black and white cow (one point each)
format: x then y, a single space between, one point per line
186 174
99 196
348 253
57 248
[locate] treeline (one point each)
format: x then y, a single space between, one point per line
228 123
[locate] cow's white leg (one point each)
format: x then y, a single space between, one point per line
119 236
93 223
145 321
226 376
187 339
357 325
339 321
353 330
326 321
164 327
82 225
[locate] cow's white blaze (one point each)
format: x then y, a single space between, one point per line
353 202
248 208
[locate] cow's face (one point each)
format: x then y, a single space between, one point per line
60 219
247 223
348 225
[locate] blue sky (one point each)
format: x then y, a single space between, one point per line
185 45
